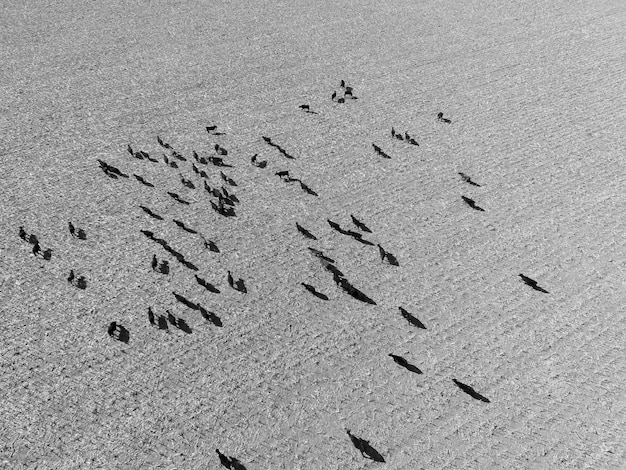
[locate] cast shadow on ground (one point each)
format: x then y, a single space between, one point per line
470 391
210 316
183 326
148 211
532 283
404 363
353 291
314 291
365 448
411 319
386 256
207 285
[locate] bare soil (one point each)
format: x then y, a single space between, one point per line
536 95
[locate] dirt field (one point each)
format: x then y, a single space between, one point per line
536 96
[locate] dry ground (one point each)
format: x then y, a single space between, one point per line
536 92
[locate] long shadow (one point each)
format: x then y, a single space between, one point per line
335 226
470 391
230 462
110 170
353 291
333 269
224 211
216 193
183 326
225 461
339 278
404 363
386 256
177 198
211 246
110 175
143 181
148 234
163 144
307 189
198 158
148 211
187 183
207 285
356 235
236 464
228 180
179 256
467 179
278 147
320 254
284 153
365 448
115 170
359 237
472 204
210 316
226 200
171 164
233 198
305 232
217 161
313 291
186 302
380 152
184 227
532 283
391 259
411 319
540 289
360 225
178 156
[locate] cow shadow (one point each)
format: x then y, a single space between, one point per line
314 291
471 392
411 319
210 316
183 326
366 449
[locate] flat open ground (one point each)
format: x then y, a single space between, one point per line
536 92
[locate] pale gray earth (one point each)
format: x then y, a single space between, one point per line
537 98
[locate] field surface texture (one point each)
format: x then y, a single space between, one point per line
272 365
